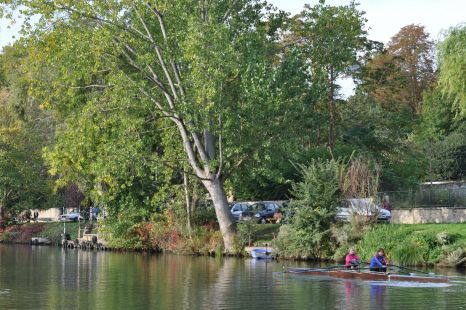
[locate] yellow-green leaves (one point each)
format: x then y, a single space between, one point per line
452 59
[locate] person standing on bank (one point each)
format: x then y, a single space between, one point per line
379 261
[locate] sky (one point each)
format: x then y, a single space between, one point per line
385 17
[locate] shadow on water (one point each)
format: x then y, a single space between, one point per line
51 278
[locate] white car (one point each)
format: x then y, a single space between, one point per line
71 217
362 207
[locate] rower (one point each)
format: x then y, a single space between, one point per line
379 261
352 260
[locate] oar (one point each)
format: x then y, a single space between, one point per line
428 273
415 270
314 269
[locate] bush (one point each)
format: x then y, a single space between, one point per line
287 245
316 201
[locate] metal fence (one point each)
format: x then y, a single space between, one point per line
426 198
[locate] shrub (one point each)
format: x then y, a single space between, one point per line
317 198
286 244
409 253
246 233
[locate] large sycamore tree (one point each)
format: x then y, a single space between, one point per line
184 58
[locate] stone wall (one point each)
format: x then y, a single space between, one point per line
428 215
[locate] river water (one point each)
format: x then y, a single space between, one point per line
52 278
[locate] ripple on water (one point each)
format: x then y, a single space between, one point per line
57 279
5 291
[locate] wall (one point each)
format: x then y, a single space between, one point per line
428 215
49 214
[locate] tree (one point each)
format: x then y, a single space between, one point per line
452 65
24 182
412 51
397 76
449 157
332 37
184 64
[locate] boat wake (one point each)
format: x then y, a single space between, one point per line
410 284
5 291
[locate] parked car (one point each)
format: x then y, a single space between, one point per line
238 208
262 211
362 207
71 217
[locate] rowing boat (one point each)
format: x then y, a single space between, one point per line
367 275
261 253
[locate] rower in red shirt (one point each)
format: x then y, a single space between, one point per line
352 260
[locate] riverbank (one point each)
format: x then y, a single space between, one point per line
22 233
422 244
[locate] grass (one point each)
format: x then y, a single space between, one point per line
421 244
54 230
265 233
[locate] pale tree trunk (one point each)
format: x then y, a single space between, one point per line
331 110
199 161
222 210
188 204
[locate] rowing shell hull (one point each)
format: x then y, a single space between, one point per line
367 276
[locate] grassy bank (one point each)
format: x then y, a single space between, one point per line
22 233
422 244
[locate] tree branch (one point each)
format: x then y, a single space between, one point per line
228 12
92 86
158 51
164 35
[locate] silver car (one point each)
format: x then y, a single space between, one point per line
362 207
238 208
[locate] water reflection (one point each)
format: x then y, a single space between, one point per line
353 294
51 278
378 295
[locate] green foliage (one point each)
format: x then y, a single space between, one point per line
319 188
23 181
93 93
414 244
449 157
437 117
452 65
319 29
382 133
316 201
246 233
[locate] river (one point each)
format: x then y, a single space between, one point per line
52 278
